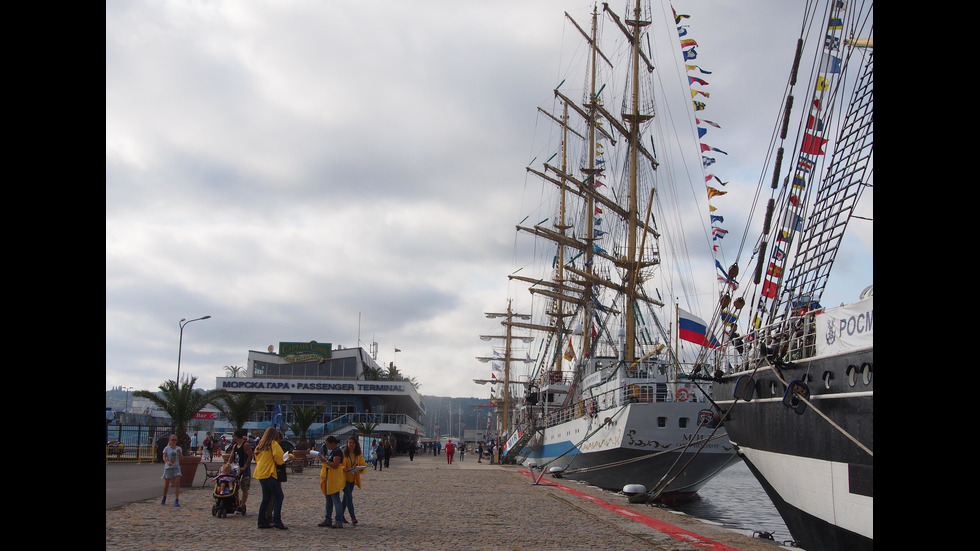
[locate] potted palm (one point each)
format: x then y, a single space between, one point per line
181 402
366 429
239 408
303 417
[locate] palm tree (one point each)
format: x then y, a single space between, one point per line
181 402
393 374
239 408
366 429
234 370
303 417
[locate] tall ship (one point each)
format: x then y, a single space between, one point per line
611 399
796 378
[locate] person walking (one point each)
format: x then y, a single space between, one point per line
374 455
353 465
479 452
389 451
158 448
450 450
268 454
332 481
241 454
411 451
380 451
171 469
462 450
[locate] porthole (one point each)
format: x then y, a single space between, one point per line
827 377
866 373
851 375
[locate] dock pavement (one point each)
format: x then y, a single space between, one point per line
421 504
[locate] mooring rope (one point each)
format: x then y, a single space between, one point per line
822 414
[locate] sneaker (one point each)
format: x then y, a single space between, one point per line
163 501
176 503
325 524
280 526
338 525
353 520
346 521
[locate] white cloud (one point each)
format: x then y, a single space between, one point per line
344 171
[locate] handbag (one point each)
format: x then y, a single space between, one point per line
281 473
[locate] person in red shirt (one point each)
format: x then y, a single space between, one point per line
450 449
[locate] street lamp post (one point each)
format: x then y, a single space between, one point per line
180 346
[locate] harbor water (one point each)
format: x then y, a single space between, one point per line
735 499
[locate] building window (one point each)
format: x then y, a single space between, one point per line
341 409
339 368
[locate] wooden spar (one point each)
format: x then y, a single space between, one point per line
556 119
531 326
554 236
612 285
622 129
860 42
585 116
649 64
589 40
584 190
557 296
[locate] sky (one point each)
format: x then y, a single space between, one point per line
352 172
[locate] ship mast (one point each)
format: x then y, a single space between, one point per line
559 302
590 201
580 291
634 119
508 338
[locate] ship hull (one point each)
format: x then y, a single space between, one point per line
821 481
632 449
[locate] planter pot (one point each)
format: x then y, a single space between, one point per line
299 460
188 469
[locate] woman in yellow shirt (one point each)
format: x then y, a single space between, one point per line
352 458
268 454
332 481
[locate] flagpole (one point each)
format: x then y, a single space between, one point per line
677 341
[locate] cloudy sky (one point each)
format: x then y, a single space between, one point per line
352 172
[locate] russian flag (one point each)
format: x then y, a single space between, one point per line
694 329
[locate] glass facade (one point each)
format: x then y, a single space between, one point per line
337 368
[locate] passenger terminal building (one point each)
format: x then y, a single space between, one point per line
346 385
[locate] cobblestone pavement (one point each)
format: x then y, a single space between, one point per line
426 504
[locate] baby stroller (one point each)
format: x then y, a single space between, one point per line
226 495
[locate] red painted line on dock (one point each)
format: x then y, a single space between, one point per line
673 531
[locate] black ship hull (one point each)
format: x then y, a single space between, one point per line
820 480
